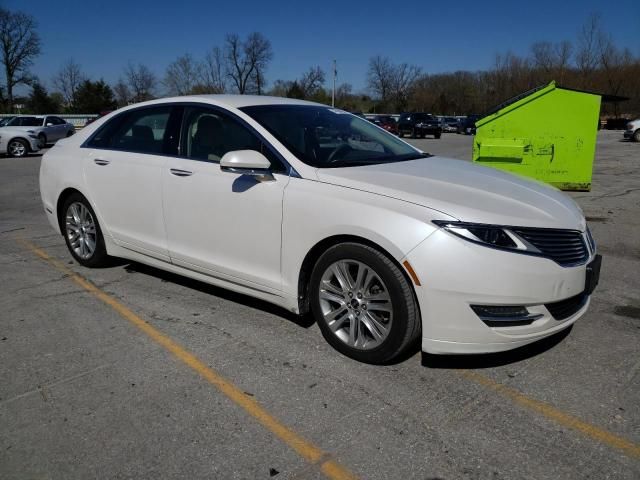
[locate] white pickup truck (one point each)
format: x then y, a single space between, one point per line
633 130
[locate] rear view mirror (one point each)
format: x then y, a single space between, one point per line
246 162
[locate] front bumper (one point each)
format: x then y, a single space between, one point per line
456 274
628 134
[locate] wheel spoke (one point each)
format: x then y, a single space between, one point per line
377 330
336 323
332 297
380 307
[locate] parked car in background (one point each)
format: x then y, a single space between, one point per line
383 244
449 124
419 125
18 142
467 125
387 122
633 130
48 128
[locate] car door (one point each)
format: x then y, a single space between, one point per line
123 166
226 225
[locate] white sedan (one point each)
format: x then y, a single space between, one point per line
48 128
322 212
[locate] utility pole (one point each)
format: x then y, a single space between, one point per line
333 93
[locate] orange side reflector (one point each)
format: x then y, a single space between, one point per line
412 273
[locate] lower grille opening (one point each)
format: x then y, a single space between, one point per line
504 315
568 307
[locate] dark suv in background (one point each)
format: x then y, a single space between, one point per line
419 125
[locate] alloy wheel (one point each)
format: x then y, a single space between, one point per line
356 304
81 230
17 149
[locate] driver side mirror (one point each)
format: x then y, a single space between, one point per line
49 124
246 162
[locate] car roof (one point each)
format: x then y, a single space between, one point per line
231 101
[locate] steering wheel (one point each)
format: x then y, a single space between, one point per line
344 148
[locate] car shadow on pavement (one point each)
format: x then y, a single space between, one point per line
304 321
491 360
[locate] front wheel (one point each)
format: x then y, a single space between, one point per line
437 136
18 148
82 232
363 303
636 136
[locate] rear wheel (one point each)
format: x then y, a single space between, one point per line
437 136
82 232
17 148
363 303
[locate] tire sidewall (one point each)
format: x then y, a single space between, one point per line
100 252
352 251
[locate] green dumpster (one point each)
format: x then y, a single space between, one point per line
548 133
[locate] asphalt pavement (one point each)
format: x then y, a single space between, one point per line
131 372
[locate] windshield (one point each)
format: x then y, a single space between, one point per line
325 137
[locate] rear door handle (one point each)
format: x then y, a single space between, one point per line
180 173
99 161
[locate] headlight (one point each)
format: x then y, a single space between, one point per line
494 236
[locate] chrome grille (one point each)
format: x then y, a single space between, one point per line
565 247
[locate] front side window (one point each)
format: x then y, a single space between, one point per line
208 134
136 131
325 137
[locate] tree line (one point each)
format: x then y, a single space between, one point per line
591 62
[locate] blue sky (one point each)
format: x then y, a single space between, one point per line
438 36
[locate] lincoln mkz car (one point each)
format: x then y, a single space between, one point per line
324 213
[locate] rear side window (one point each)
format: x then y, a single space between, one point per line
137 131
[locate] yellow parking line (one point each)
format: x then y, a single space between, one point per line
304 448
552 413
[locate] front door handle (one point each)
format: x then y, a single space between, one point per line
99 161
180 173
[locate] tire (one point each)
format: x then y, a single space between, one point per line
42 140
437 136
400 134
69 133
17 148
413 133
373 331
636 136
76 222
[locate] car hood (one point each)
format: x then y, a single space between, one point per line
464 190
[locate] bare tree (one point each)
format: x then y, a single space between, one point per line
311 81
141 82
380 77
122 93
587 54
247 61
212 72
391 83
182 75
404 77
68 79
20 44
